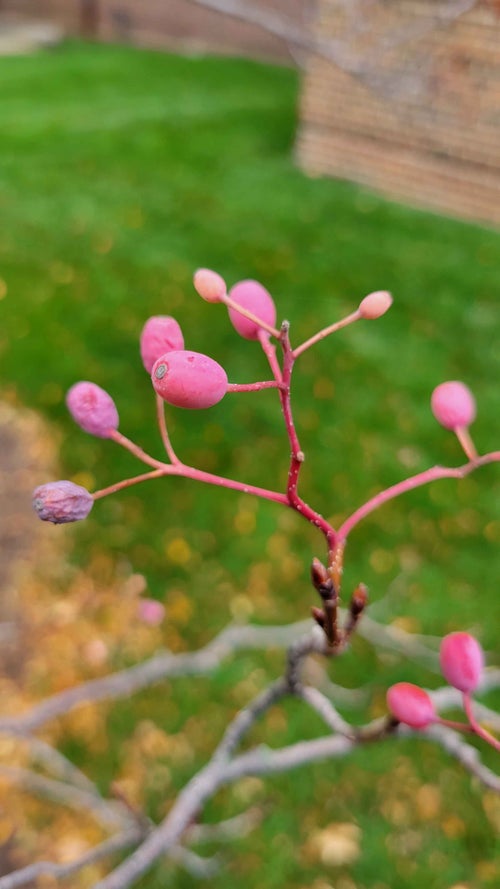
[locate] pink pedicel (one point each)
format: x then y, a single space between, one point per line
453 405
189 379
209 285
160 334
462 661
93 409
411 705
255 298
375 304
150 611
62 502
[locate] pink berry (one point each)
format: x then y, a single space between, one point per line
411 705
189 379
252 296
462 661
375 304
209 285
61 502
92 408
150 611
453 405
160 334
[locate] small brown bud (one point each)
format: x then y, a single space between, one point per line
319 574
359 600
319 616
321 580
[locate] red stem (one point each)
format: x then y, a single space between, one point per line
160 413
253 387
478 729
297 455
415 481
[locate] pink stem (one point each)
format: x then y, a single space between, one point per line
297 455
344 322
253 387
183 471
160 413
458 726
476 727
127 483
269 350
231 304
466 442
135 449
415 481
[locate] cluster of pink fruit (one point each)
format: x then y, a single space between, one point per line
193 380
180 377
462 663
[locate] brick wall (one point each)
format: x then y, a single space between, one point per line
169 23
411 110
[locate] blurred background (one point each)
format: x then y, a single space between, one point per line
124 168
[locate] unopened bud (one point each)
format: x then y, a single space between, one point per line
255 298
375 304
453 405
462 661
359 600
160 334
411 705
322 580
61 502
209 285
319 616
92 408
189 379
319 574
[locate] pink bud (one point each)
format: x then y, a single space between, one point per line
160 334
189 379
92 408
453 405
150 611
209 285
462 661
252 296
62 502
375 304
411 704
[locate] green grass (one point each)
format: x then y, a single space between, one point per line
120 173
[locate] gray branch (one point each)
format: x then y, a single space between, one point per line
125 683
26 875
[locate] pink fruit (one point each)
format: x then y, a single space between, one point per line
462 661
61 502
375 304
209 285
411 705
150 611
252 296
453 405
160 334
92 408
189 379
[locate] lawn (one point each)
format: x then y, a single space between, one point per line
121 172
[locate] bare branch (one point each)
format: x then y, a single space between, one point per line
109 813
326 710
465 753
195 865
54 761
230 829
162 666
26 875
